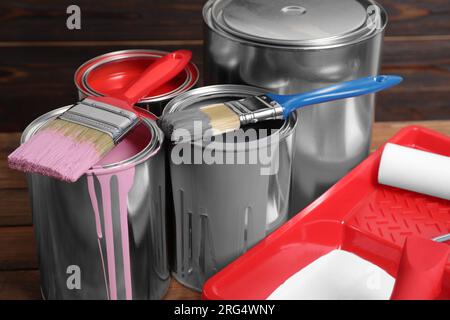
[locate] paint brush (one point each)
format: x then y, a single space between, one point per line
69 145
230 116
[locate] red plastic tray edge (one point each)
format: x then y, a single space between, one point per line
211 290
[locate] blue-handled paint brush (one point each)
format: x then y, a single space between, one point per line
230 116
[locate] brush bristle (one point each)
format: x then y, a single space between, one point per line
218 118
62 149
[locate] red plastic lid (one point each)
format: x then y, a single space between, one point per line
113 72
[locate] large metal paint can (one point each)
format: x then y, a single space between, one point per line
222 209
103 236
293 46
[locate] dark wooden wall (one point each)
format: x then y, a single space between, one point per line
39 54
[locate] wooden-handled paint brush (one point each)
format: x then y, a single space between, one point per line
68 146
230 116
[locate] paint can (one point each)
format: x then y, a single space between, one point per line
104 236
222 208
294 46
111 73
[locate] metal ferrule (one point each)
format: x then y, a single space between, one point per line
255 109
106 118
443 238
265 114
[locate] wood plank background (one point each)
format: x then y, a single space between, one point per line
39 54
38 57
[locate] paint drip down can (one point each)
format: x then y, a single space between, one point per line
104 236
229 192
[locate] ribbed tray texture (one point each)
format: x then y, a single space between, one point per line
394 214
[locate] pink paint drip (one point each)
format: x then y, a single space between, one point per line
130 146
109 234
47 153
93 196
125 182
103 267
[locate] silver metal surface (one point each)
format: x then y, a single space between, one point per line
222 210
157 103
331 138
103 117
292 22
67 235
136 55
255 109
443 238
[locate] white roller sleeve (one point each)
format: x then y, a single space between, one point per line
415 170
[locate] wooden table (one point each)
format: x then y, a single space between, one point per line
19 277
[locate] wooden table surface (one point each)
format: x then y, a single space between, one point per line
19 276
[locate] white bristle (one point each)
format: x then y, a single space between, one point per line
218 118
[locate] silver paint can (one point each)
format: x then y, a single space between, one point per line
222 208
104 236
293 46
113 72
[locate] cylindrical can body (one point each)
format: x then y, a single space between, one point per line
332 137
103 236
113 72
222 208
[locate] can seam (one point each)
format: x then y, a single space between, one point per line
208 20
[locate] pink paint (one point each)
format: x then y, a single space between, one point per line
126 179
43 153
94 201
103 268
135 142
109 234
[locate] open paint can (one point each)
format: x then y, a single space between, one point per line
295 46
104 236
110 74
228 194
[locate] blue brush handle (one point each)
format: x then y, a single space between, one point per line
342 90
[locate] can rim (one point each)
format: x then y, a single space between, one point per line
222 90
288 45
191 70
109 60
156 141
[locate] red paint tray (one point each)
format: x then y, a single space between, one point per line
357 214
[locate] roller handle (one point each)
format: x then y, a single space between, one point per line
158 73
342 90
421 270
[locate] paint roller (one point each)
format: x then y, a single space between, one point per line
423 261
415 170
421 270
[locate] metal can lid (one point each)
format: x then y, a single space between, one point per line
296 22
112 72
